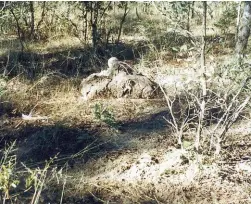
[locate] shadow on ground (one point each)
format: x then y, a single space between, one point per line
38 141
149 123
67 61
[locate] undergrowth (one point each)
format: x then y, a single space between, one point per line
105 115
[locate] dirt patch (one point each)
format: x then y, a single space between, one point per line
134 163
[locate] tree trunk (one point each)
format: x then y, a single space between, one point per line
188 16
32 23
94 35
137 13
126 10
18 30
238 21
85 26
203 79
244 32
42 17
192 16
94 19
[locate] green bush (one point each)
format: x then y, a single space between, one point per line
227 19
105 115
8 175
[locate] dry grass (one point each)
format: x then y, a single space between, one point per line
139 164
159 175
56 44
136 162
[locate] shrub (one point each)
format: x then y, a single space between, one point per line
105 115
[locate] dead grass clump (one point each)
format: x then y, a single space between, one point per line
42 97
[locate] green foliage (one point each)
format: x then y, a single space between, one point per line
105 115
174 39
36 178
2 86
227 19
1 91
180 6
8 175
234 72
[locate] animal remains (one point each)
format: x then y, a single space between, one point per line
119 81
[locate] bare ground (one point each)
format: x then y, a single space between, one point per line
136 163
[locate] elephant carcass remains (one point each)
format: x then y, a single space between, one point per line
119 84
132 86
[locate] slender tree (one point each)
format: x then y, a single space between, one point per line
244 32
32 20
203 78
123 5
